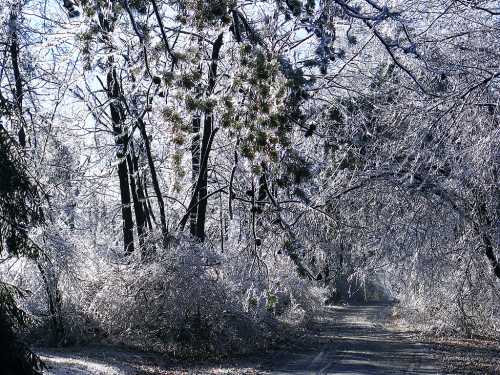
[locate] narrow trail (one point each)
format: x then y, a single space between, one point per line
355 340
344 340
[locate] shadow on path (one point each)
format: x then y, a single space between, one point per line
354 340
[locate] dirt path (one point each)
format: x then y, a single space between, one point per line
345 340
355 340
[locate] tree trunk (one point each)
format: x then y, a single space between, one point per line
206 143
138 210
147 205
14 55
203 180
194 202
154 180
121 141
18 82
140 192
195 162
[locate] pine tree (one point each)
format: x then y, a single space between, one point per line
19 209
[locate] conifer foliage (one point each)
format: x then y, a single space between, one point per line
19 211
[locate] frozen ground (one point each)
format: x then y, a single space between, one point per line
344 340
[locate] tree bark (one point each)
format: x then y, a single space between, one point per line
138 209
203 181
121 141
195 162
140 192
154 180
194 202
18 82
14 55
206 143
147 205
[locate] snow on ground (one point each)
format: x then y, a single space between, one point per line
65 364
100 360
75 366
105 360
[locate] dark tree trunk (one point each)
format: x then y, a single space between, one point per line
154 180
262 194
14 55
18 82
140 192
203 180
138 209
194 202
147 206
128 223
121 141
195 161
208 133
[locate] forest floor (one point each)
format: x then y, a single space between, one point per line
341 340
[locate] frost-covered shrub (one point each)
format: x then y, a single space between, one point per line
457 306
190 299
445 290
179 302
